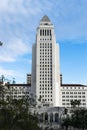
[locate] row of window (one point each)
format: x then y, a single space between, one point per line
46 65
46 62
46 99
46 38
45 92
46 53
46 85
73 87
19 92
83 100
73 96
46 47
46 44
45 95
73 92
44 56
70 104
46 59
45 75
46 69
45 32
46 88
17 97
46 79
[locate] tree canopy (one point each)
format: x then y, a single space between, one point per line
16 115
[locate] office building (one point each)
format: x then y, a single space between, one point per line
45 65
46 81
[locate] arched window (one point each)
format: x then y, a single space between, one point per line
46 116
41 117
51 117
43 32
56 117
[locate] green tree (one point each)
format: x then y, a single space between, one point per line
66 122
75 103
79 118
16 115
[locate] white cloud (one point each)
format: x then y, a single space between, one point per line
8 72
18 47
12 6
30 61
14 48
19 7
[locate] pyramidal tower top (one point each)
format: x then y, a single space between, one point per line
45 19
45 65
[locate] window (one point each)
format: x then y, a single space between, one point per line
83 96
83 92
43 33
79 92
40 32
47 32
50 32
67 92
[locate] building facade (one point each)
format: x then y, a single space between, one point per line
46 81
28 78
73 92
17 91
45 65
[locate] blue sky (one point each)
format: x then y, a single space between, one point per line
18 22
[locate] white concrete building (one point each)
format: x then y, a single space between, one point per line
17 91
46 79
28 79
73 92
45 65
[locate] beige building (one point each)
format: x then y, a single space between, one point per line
28 78
73 92
17 91
46 81
45 65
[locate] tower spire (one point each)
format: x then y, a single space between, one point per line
45 19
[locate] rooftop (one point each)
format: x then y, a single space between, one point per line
45 19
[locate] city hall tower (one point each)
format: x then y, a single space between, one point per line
45 83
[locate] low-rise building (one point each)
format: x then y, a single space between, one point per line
18 91
28 78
